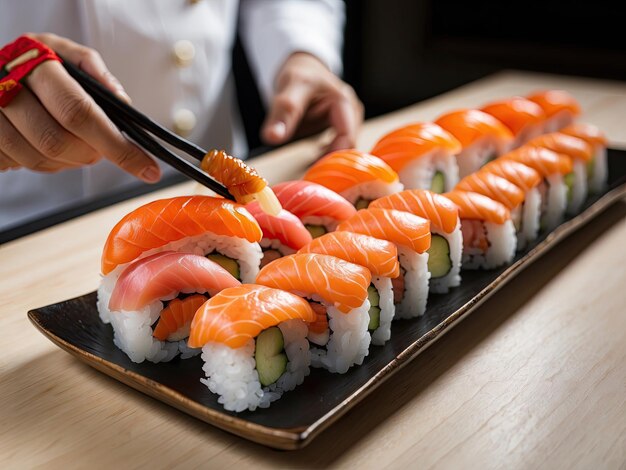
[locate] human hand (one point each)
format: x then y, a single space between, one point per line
309 98
53 124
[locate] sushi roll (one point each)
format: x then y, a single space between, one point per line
528 180
165 290
319 208
381 258
488 231
553 167
423 154
581 154
411 235
597 169
560 107
482 137
254 345
506 193
446 246
524 118
283 234
357 176
338 293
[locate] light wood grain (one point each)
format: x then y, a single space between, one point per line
536 378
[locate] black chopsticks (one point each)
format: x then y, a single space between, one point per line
135 124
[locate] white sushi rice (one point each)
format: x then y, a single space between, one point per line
600 169
349 339
502 243
132 330
441 285
371 190
416 278
419 173
579 189
553 201
275 244
558 121
231 373
526 134
387 310
327 222
531 215
480 152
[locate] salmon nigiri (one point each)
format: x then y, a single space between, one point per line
597 168
381 258
482 136
143 295
411 235
488 232
423 154
254 346
319 208
200 224
560 107
339 291
357 176
524 118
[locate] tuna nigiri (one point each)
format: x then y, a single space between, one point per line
254 346
524 118
357 176
423 154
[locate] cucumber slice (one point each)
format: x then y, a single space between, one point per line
374 298
271 360
316 230
362 203
372 295
439 262
374 318
569 182
229 264
438 184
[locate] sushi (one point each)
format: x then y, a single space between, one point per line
283 234
254 346
560 107
423 154
446 246
338 292
319 208
553 167
524 118
597 168
581 154
411 235
488 232
528 180
357 176
482 137
156 290
381 258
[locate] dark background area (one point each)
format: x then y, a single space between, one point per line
399 52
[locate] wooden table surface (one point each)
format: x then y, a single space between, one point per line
536 378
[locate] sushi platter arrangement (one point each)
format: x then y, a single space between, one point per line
271 316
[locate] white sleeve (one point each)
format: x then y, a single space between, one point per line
272 30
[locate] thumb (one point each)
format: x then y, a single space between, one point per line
286 111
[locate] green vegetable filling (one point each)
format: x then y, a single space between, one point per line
590 169
229 264
316 230
269 355
569 182
374 298
439 262
438 183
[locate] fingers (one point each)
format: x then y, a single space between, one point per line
7 163
46 135
286 112
87 59
345 116
76 111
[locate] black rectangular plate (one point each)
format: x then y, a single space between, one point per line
299 416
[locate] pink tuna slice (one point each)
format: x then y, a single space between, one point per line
306 199
284 227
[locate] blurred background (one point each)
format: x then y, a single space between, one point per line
401 52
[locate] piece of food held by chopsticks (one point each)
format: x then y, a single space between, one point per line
242 181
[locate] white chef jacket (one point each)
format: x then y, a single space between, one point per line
138 40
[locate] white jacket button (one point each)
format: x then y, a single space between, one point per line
184 52
184 122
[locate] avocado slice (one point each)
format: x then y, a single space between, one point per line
316 230
269 355
374 312
439 262
569 182
438 183
362 203
227 263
